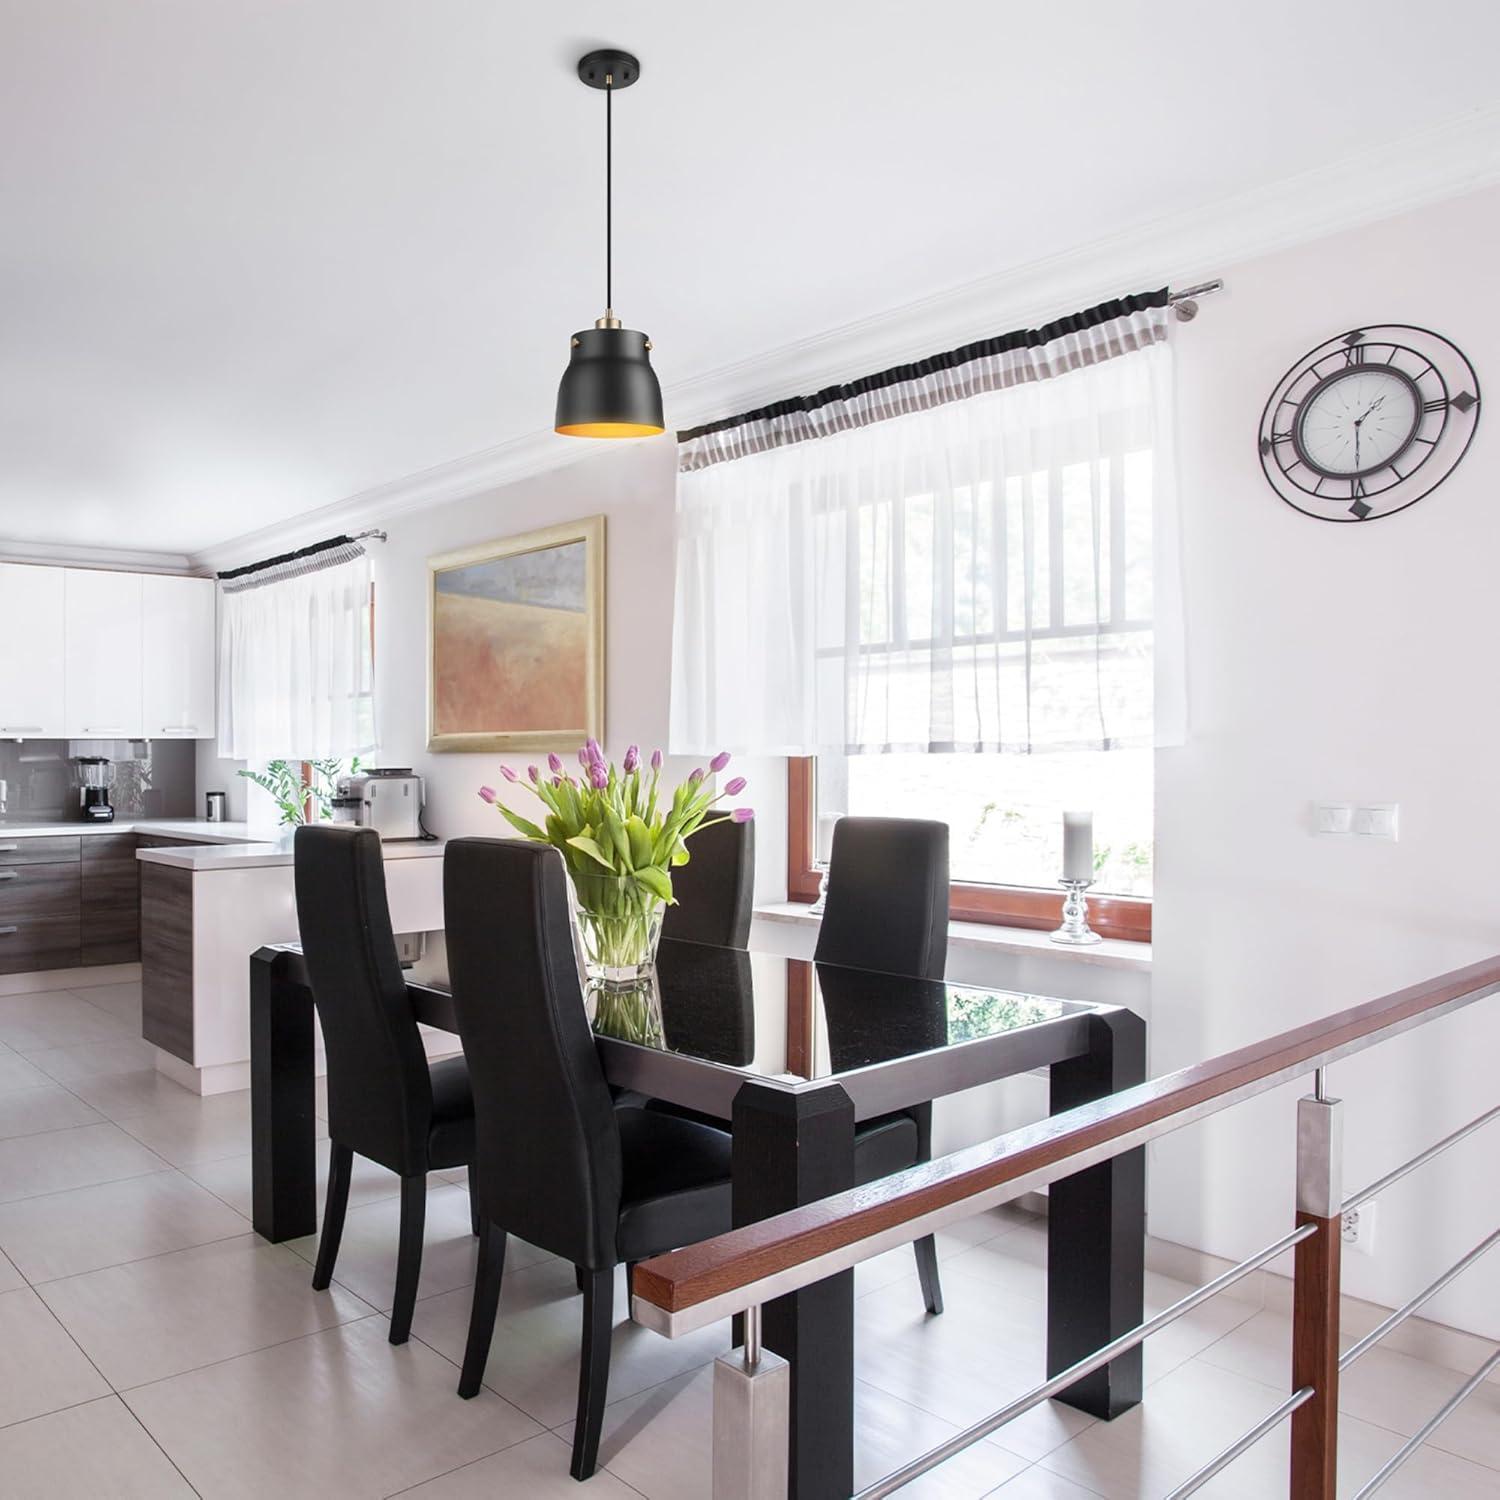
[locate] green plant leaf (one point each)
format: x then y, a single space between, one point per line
657 881
583 842
522 825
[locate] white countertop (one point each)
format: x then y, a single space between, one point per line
177 828
264 851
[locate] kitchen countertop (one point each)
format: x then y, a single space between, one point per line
196 829
265 851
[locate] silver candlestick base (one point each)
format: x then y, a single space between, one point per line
1075 929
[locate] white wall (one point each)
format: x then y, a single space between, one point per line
1348 662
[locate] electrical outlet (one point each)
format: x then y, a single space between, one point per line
1358 1228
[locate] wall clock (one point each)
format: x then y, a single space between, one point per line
1369 422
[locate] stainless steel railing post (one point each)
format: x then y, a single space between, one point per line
752 1420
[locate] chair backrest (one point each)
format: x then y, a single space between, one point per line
715 889
379 1089
547 1148
887 906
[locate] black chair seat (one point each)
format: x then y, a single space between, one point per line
450 1140
885 1145
675 1183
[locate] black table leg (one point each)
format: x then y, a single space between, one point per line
1096 1230
791 1149
282 1120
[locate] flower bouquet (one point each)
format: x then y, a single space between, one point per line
620 838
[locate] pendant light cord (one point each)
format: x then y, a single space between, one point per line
609 190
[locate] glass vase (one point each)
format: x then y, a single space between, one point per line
619 922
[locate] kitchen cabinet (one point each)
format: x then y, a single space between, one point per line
111 890
177 657
31 651
40 906
102 655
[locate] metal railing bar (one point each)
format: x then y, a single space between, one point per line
1403 1312
1421 1159
1431 1425
1085 1366
1249 1440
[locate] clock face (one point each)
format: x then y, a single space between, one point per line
1369 422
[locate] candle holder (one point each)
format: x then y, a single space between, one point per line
1075 930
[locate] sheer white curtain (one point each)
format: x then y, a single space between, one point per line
994 570
296 678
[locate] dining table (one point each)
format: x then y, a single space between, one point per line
791 1055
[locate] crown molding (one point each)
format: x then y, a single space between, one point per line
1445 161
112 559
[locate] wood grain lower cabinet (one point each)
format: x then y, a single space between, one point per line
40 916
167 959
111 890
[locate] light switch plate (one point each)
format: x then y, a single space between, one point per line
1377 820
1333 817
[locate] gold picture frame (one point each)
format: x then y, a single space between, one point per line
515 640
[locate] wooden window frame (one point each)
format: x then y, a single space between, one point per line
1125 917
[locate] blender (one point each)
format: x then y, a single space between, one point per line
96 775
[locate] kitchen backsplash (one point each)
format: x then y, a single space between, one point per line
153 778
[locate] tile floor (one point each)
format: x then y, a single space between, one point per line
151 1345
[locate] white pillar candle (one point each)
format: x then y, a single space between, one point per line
1078 846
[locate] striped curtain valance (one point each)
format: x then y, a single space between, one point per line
1027 355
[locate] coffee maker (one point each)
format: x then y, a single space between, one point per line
96 775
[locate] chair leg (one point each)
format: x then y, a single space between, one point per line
476 1223
409 1254
593 1370
927 1273
340 1165
487 1277
581 1278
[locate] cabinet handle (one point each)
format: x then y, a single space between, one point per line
5 931
20 728
179 729
8 848
9 875
119 734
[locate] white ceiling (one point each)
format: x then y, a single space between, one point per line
260 255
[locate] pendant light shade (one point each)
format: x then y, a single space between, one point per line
609 389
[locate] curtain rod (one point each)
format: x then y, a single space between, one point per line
1185 302
374 533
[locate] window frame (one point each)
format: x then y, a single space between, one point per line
1127 918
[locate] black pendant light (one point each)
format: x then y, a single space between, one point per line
609 389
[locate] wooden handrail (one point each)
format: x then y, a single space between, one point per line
717 1268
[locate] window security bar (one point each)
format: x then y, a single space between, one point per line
1431 1425
1086 1366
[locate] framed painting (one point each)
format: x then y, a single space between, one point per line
515 636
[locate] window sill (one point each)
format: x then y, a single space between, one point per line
988 938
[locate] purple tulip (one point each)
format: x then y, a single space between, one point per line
554 763
742 814
696 777
719 761
583 757
598 776
632 758
591 747
735 787
656 760
535 774
486 794
508 774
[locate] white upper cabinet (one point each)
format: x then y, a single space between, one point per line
31 651
102 655
177 642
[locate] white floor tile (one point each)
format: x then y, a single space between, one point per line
51 1107
63 1159
155 1318
121 999
534 1357
10 1276
88 1228
17 1073
69 1065
41 1368
1037 1483
32 1023
190 1130
232 1179
338 1414
536 1469
121 1096
96 1449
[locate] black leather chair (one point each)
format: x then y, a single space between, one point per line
555 1161
715 889
385 1100
887 909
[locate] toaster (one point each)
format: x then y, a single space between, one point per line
389 801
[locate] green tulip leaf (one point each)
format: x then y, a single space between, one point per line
521 825
657 881
582 842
